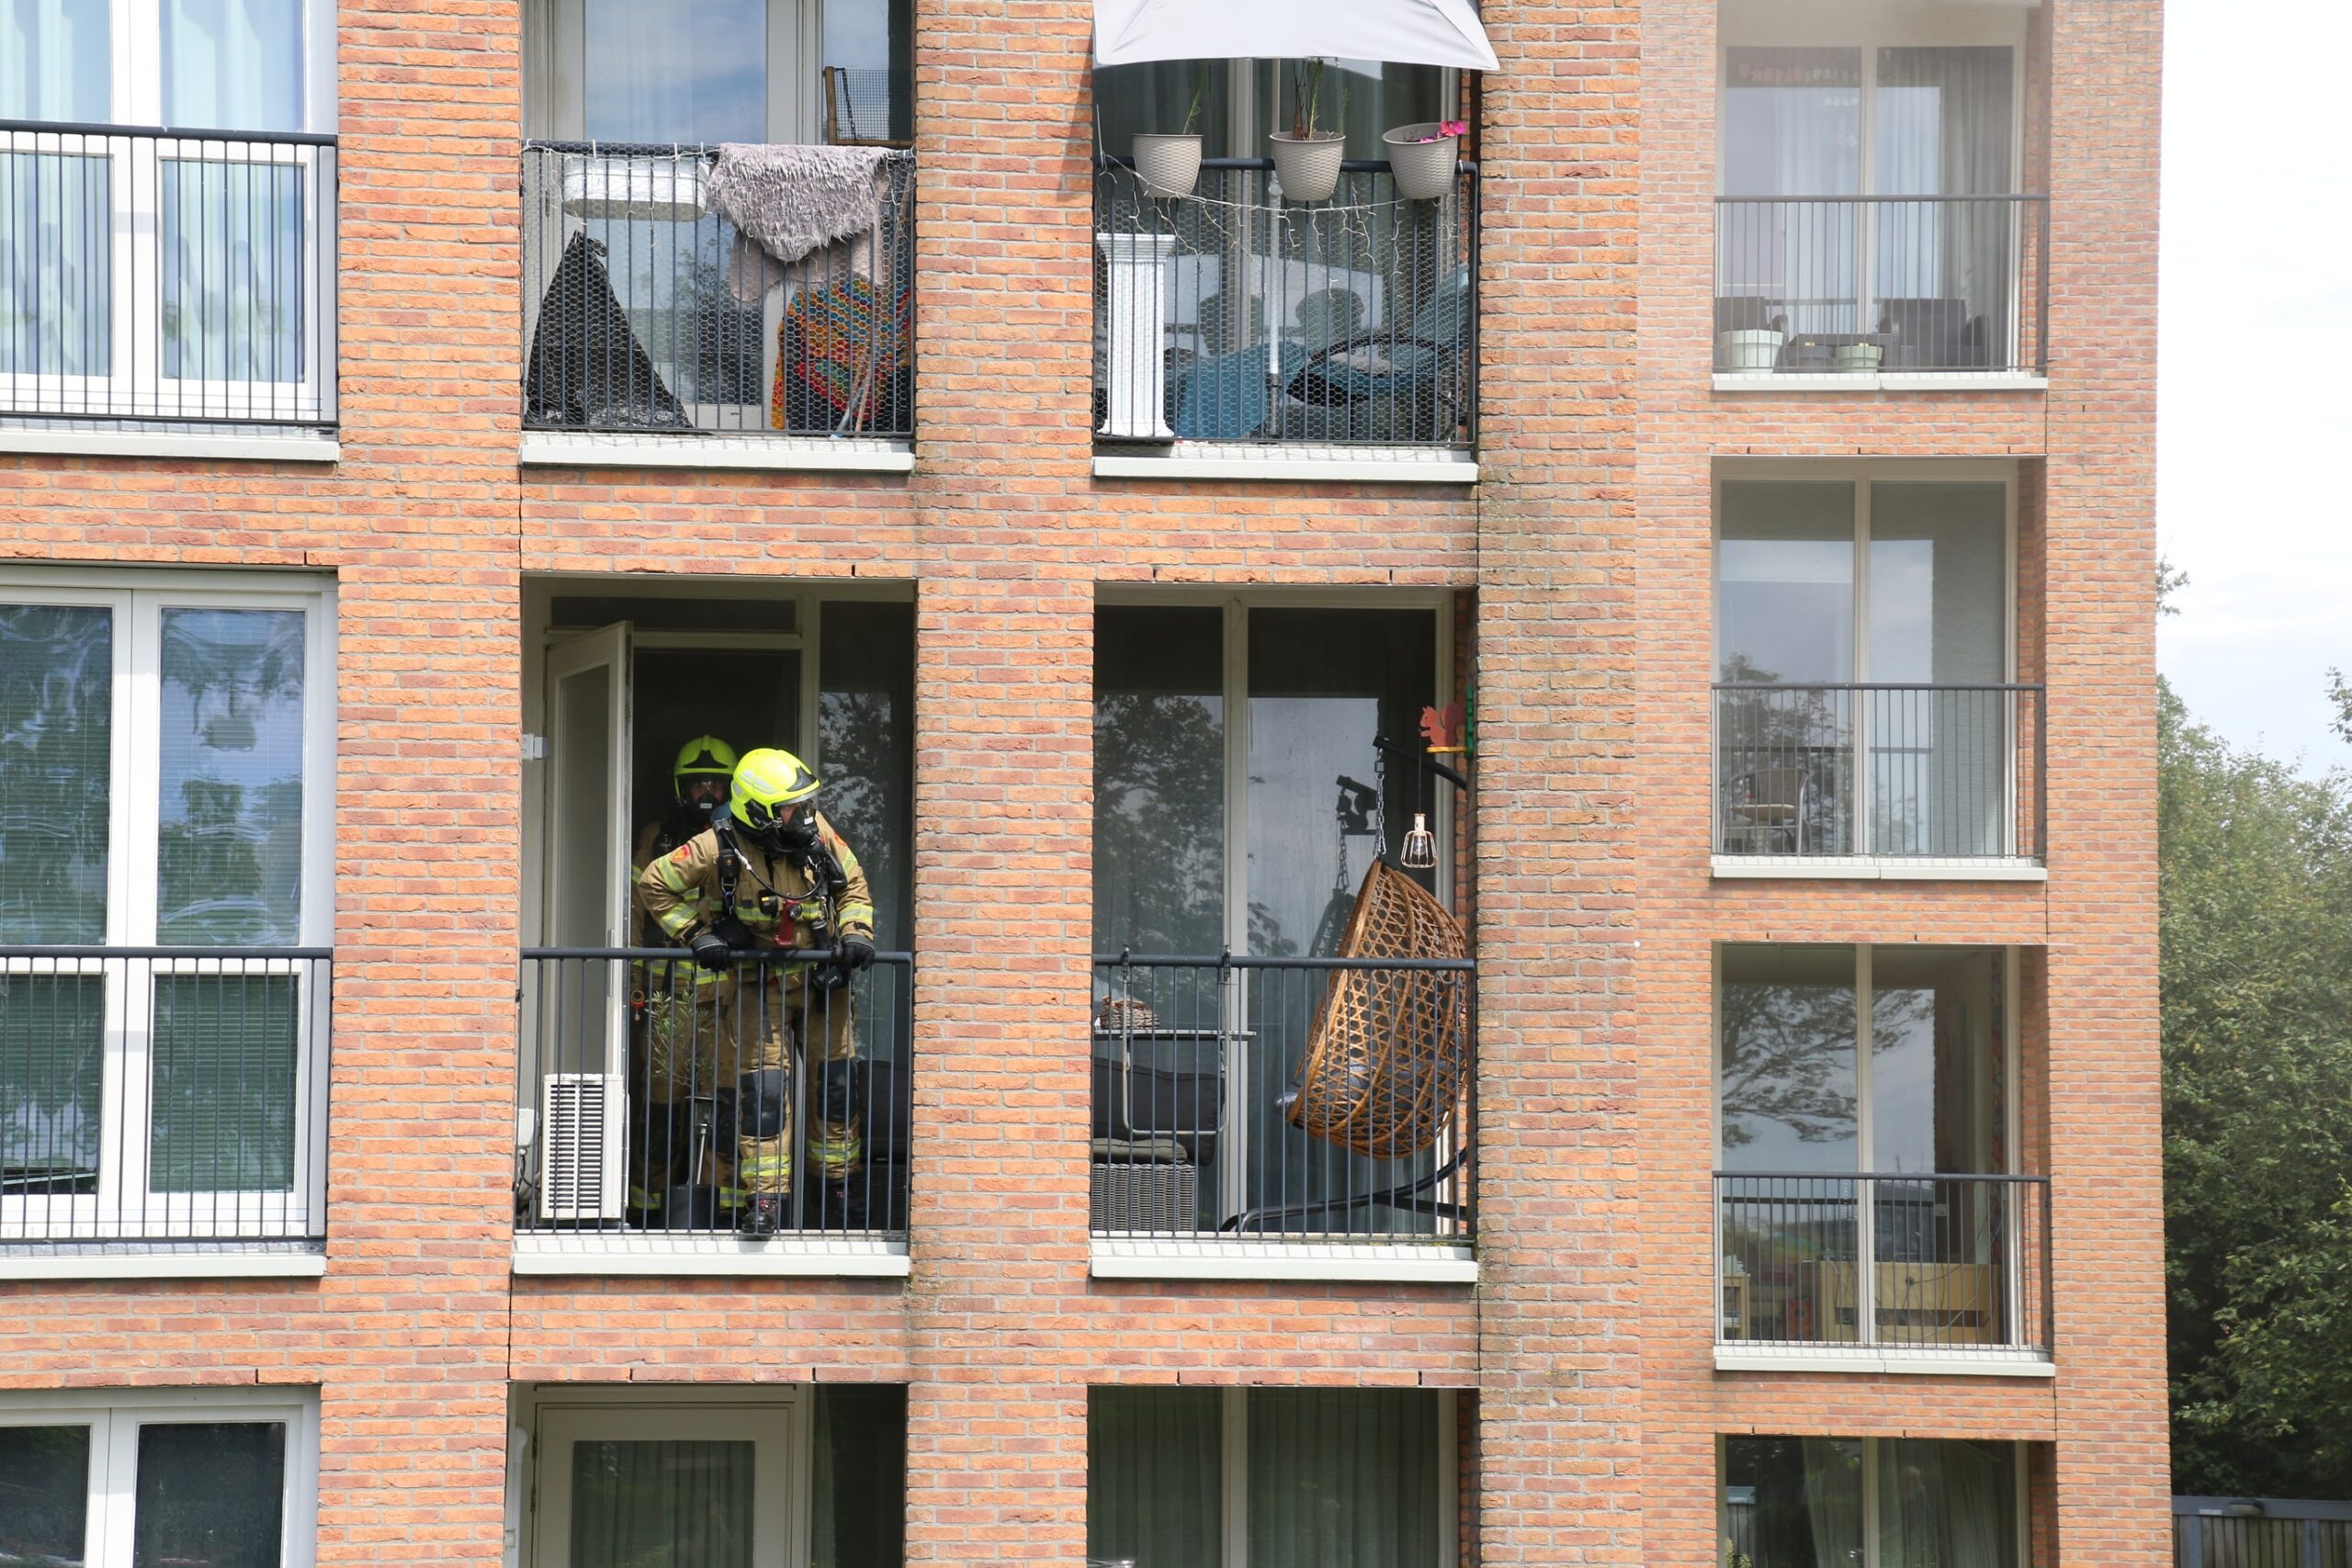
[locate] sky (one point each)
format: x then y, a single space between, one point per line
2255 367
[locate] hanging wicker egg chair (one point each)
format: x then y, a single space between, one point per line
1387 1060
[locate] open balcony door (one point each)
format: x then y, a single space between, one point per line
583 1103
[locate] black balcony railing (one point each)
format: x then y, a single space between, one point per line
1922 285
1942 772
1234 316
1195 1082
162 1095
174 276
644 312
656 1096
1956 1263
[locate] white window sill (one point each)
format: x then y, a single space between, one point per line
1872 868
775 454
1920 1361
1354 465
1224 1258
715 1252
1878 381
131 1260
307 447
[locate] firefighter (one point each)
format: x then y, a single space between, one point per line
769 873
664 999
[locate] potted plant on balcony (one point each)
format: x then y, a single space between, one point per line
1168 162
1306 158
1422 157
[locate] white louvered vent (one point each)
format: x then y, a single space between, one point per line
582 1120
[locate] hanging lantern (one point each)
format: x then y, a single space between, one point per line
1421 846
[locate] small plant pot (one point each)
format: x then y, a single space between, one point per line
1421 160
1856 357
1168 163
1309 166
1756 349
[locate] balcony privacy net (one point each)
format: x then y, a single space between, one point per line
1388 1057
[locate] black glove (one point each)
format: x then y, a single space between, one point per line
710 950
856 954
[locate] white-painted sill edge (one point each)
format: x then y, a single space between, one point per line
774 453
1263 464
171 444
1167 1259
227 1264
1866 868
1924 1363
715 1254
1876 381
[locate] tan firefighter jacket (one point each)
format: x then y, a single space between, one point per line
775 897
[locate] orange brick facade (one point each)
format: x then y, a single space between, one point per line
1582 562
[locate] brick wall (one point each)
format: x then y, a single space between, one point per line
1585 555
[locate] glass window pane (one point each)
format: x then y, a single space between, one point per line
1792 1502
232 270
44 1494
677 71
1154 1491
225 1056
1946 1504
1784 582
53 1059
56 59
232 64
211 1491
1160 779
662 1505
56 739
858 1520
56 265
230 829
1790 1023
1344 1476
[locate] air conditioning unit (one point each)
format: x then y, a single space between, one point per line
582 1148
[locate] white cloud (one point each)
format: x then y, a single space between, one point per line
2254 491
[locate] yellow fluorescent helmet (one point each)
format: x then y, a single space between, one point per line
768 783
705 756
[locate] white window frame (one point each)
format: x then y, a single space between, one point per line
778 1419
137 165
1861 476
123 1207
2021 1494
114 1418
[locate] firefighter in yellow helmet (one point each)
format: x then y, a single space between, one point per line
770 873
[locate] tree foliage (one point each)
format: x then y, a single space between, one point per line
2256 893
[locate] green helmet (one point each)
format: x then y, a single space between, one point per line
704 757
772 799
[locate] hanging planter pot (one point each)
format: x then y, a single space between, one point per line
1168 163
1307 165
1422 157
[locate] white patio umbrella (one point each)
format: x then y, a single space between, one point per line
1406 32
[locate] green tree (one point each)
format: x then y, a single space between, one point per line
2256 974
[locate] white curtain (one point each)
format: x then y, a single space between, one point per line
1833 1500
1343 1478
233 65
55 60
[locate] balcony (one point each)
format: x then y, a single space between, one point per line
1232 321
1881 287
1958 1269
647 315
656 1099
1896 779
162 1100
179 279
1218 1136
